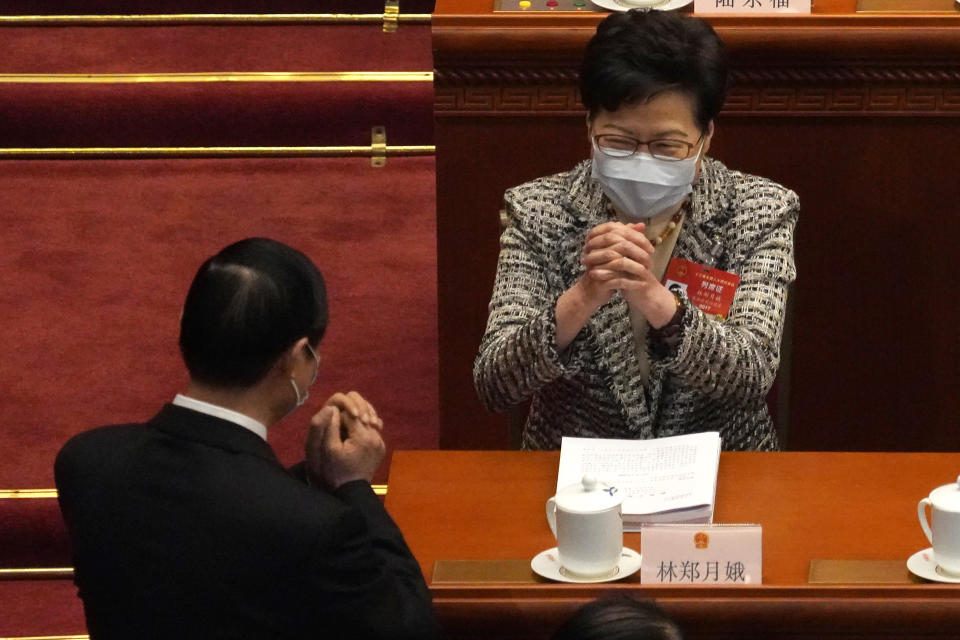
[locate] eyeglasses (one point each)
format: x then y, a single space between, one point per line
623 147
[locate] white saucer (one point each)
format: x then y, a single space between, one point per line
921 564
616 5
547 564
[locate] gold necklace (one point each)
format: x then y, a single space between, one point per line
673 224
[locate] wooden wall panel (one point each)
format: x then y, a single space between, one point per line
875 311
484 157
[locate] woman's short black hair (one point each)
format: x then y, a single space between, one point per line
637 54
618 617
246 306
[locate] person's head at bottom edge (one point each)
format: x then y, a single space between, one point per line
619 617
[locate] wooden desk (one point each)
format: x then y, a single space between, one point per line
858 113
489 505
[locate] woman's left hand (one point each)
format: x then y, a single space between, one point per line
621 257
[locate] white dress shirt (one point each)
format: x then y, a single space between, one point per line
223 413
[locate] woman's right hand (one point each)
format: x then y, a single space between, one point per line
591 292
575 307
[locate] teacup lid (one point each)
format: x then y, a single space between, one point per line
588 496
947 497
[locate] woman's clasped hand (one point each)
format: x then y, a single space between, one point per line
619 257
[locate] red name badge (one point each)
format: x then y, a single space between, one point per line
711 290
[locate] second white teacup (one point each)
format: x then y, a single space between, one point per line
944 532
586 521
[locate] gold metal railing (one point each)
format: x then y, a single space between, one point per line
28 493
386 19
36 573
376 152
379 489
81 637
239 76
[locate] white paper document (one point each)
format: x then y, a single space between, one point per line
664 480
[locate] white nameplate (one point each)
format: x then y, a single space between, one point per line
751 7
715 555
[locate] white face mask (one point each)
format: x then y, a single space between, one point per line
641 186
306 392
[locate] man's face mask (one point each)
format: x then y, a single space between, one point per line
306 392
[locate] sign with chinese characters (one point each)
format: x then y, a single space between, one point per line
711 290
715 555
751 7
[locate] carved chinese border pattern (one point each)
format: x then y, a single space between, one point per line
820 91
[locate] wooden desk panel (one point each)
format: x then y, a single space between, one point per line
854 112
489 505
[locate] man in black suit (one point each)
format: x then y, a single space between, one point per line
187 526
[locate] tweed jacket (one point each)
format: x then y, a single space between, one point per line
716 378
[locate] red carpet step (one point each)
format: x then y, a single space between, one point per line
96 257
213 113
40 608
223 106
215 48
33 535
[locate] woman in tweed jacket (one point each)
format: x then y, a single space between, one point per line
580 323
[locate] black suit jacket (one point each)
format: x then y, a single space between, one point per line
188 527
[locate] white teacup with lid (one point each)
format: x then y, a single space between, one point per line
944 534
586 521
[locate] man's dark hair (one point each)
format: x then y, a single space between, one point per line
246 306
618 617
635 55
